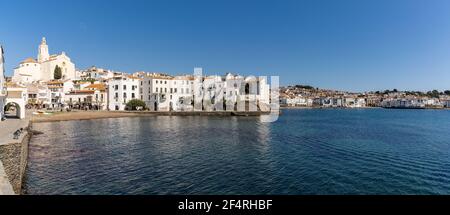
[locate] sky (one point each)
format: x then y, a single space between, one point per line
354 45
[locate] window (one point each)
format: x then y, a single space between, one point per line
156 81
175 90
124 87
165 82
165 90
148 82
132 95
124 95
182 91
156 89
171 90
116 87
117 95
149 97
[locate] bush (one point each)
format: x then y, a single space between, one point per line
135 103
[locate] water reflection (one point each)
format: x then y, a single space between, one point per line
304 152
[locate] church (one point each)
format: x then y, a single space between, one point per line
43 68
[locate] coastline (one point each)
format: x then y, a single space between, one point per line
88 115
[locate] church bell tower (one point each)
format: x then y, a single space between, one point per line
43 51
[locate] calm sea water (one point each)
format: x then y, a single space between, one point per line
313 151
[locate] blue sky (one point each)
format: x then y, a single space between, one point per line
355 45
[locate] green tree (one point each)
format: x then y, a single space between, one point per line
135 103
447 92
434 94
58 73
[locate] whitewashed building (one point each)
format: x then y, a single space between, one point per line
43 69
162 92
39 95
122 89
92 96
58 90
96 73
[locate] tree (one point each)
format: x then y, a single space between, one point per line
135 103
433 94
58 73
447 92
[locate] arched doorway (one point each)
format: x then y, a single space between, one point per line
13 110
156 106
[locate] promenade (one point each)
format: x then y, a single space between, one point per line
7 129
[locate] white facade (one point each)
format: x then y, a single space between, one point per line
43 69
403 103
122 89
39 95
197 93
96 73
58 90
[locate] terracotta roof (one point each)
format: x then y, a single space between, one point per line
100 87
29 60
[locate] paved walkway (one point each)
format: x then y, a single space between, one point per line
5 186
8 127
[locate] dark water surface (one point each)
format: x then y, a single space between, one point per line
311 151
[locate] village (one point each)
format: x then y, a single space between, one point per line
52 83
308 96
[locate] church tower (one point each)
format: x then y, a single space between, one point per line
43 51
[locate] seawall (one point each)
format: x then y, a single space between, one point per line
87 115
14 158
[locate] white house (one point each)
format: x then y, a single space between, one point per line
93 96
122 89
39 95
58 90
96 73
43 69
162 92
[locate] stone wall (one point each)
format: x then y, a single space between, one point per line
14 157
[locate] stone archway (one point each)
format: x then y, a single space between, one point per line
14 110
